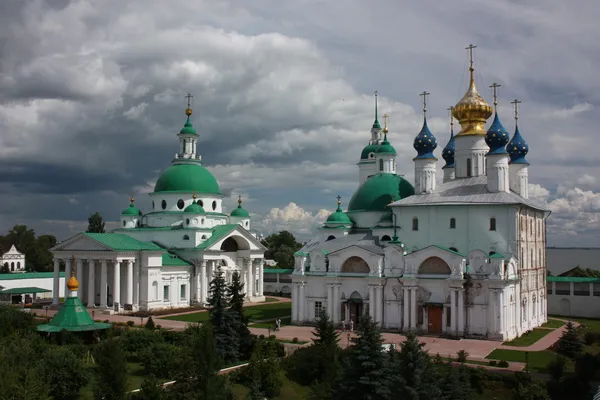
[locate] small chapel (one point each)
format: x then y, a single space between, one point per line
167 256
460 255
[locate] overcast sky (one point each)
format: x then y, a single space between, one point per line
91 99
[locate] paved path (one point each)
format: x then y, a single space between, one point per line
545 342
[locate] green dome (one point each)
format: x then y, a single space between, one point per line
386 147
132 211
338 217
240 212
378 191
194 208
188 128
370 148
187 178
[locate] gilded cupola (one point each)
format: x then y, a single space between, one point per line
472 111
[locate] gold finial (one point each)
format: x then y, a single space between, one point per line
385 121
516 103
472 111
451 120
72 283
194 196
494 87
339 202
425 94
240 200
188 110
131 199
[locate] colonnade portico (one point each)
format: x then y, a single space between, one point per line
251 275
122 288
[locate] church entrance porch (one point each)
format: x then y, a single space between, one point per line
434 318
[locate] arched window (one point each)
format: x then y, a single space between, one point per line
492 224
454 249
415 225
163 204
200 203
331 237
492 253
18 265
153 204
452 223
187 221
203 237
186 237
180 204
124 223
532 258
154 290
469 167
385 238
214 205
381 164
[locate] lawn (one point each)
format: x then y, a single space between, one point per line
271 324
538 360
553 323
289 391
528 338
592 324
136 378
255 313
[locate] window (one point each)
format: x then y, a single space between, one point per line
124 223
385 238
186 237
203 237
331 237
492 224
154 290
318 308
165 293
492 253
182 290
202 221
469 166
415 224
454 249
246 224
187 221
153 204
180 204
200 202
214 205
163 204
452 223
381 164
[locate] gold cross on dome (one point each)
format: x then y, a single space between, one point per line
425 94
516 103
470 48
450 109
189 98
385 120
494 87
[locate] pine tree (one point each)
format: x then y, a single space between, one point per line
569 343
150 323
325 333
328 366
236 295
223 320
95 223
264 367
457 385
364 376
111 371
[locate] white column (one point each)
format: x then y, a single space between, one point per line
249 280
405 314
372 302
500 310
256 279
492 312
91 287
461 310
413 308
117 283
136 284
330 301
79 276
335 305
203 282
129 293
261 277
453 310
103 284
56 282
379 296
67 275
294 301
302 301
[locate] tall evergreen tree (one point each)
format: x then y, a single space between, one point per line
328 369
110 372
364 375
95 223
457 385
236 295
569 343
223 320
264 367
325 333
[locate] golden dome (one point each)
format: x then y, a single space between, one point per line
472 111
72 283
188 111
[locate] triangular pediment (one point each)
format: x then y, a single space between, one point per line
224 232
80 242
357 247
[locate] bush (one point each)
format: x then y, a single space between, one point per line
150 323
493 363
503 364
569 344
135 341
462 356
591 337
295 340
130 324
160 360
303 365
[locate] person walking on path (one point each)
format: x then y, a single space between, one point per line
351 326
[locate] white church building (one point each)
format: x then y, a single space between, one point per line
167 256
13 260
464 257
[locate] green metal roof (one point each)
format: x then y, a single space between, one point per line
187 178
194 208
497 255
121 242
240 212
217 234
25 290
378 191
448 249
370 148
171 260
300 254
132 210
574 279
278 271
29 275
188 128
73 317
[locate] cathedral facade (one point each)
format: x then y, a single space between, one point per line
167 256
463 257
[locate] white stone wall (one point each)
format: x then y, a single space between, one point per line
43 283
172 199
571 305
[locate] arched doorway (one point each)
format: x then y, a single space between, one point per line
355 265
234 243
353 309
434 266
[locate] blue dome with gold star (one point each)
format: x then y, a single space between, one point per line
496 137
425 142
517 148
448 152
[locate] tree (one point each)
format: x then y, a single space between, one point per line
264 367
64 372
281 248
151 390
95 223
223 320
36 250
569 343
110 372
457 385
364 375
20 377
236 296
528 388
150 323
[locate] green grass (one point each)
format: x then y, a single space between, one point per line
291 341
289 391
255 313
270 324
271 300
592 324
553 324
135 374
538 360
528 338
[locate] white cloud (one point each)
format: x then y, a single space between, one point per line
565 113
586 180
292 218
